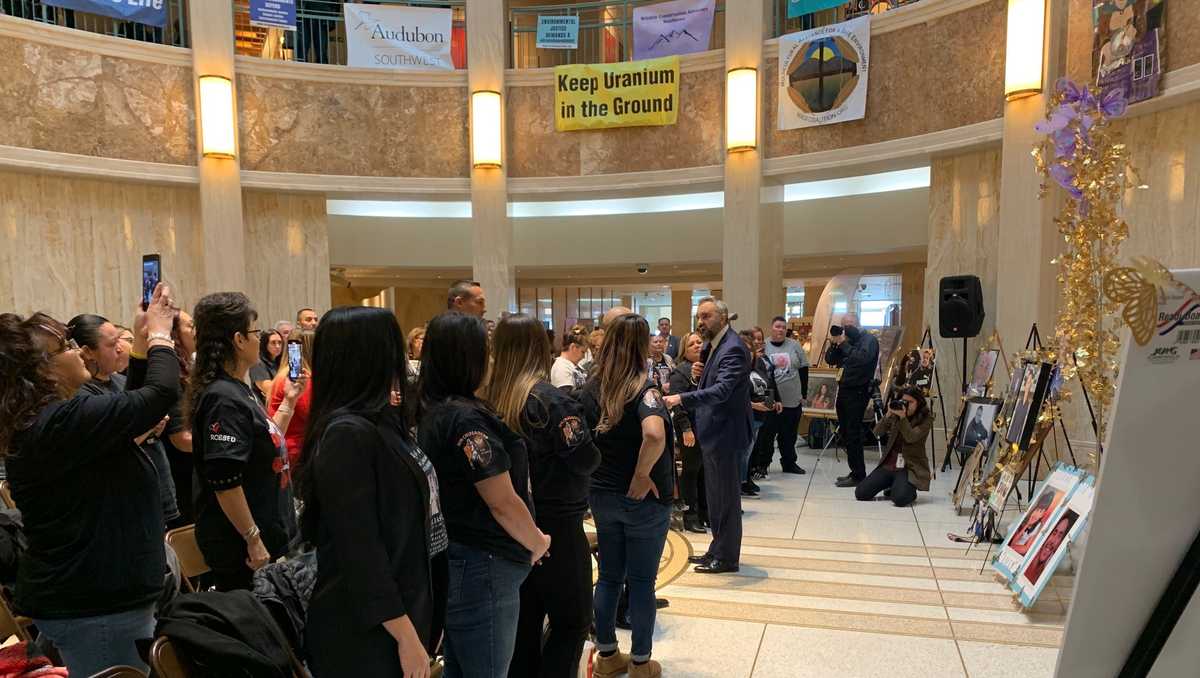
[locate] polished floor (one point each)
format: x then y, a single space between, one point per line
831 587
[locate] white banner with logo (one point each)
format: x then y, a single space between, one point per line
398 37
672 28
823 74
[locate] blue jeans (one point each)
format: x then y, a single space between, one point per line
631 535
91 644
744 460
482 604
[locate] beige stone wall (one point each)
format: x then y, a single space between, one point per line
58 99
364 130
940 75
287 253
70 245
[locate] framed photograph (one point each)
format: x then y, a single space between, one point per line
1024 533
970 475
1014 388
1035 381
822 392
978 417
981 376
889 342
921 371
1062 528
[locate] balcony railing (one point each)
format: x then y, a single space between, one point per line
175 33
605 33
320 35
850 10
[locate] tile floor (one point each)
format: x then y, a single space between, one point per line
831 587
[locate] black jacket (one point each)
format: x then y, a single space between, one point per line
89 498
372 525
857 356
681 382
225 634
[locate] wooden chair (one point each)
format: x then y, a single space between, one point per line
166 662
11 625
182 540
6 495
119 672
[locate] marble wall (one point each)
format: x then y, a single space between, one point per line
71 245
59 99
940 75
317 127
287 253
536 149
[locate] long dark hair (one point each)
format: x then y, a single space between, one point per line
25 385
520 359
454 358
264 353
217 317
85 329
918 394
344 383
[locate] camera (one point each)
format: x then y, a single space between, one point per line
898 404
643 269
835 331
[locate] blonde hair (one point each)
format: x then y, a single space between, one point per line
520 359
621 367
413 335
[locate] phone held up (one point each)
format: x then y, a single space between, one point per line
151 276
293 355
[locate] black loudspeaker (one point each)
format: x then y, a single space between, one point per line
960 306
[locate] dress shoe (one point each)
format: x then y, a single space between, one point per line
792 468
610 666
650 669
848 481
716 567
661 603
700 559
691 523
753 486
748 493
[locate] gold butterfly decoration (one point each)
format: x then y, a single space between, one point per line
1137 287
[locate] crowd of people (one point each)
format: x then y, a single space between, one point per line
443 484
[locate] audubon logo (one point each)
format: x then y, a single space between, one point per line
403 34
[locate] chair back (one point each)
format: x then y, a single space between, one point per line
6 495
119 672
10 625
182 540
167 663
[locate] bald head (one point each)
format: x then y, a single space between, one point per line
614 313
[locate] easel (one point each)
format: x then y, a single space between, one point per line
1034 342
993 341
927 342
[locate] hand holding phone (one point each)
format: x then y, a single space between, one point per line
294 361
151 276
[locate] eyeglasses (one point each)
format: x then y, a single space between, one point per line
253 331
68 345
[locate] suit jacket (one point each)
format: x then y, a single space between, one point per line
720 405
673 346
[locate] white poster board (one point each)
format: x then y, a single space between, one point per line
398 37
823 74
1147 508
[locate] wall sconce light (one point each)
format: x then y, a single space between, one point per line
485 129
1024 49
741 109
216 117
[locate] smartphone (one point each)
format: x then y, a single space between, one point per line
151 276
293 350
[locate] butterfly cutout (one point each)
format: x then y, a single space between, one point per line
1128 286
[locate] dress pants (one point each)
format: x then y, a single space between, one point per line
689 479
851 405
903 492
724 491
787 424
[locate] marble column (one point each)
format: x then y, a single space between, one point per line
912 303
1028 240
211 26
812 297
752 257
492 242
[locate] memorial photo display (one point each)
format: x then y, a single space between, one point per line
981 376
822 392
976 427
1035 380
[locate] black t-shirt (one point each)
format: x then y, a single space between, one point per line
467 444
262 371
562 455
235 444
619 446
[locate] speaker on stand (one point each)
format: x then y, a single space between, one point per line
960 312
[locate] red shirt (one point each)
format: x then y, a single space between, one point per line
295 430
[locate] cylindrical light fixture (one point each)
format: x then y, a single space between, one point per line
216 117
485 129
741 109
1024 48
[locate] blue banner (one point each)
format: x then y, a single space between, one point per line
273 14
150 12
557 32
798 8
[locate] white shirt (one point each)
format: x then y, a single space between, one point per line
566 373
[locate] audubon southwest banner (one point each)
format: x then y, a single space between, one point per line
823 74
398 37
672 28
150 12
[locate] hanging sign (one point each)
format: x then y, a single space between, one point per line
669 28
149 12
798 8
823 74
629 94
273 14
398 37
1127 46
557 32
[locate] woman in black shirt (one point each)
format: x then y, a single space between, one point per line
562 457
695 517
244 513
89 497
370 505
483 477
631 491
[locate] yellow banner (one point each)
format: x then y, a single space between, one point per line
629 94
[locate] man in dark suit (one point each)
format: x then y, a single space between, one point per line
720 408
664 330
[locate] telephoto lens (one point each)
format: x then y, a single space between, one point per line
835 331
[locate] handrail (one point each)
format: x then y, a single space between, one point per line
175 33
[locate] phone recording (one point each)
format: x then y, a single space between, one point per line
151 276
293 354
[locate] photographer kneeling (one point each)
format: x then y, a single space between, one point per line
905 466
